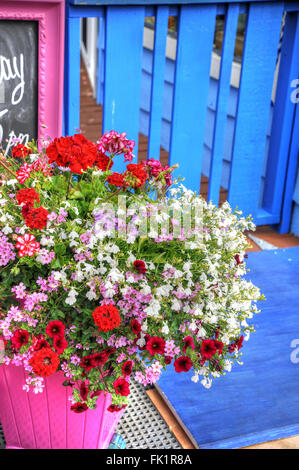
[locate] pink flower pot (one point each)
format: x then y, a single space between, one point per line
45 421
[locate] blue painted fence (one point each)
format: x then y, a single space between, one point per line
120 65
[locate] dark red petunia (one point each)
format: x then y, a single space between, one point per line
100 358
219 346
155 345
79 407
109 351
188 343
55 328
127 368
208 348
115 408
238 260
139 265
168 359
121 387
40 343
239 343
84 391
20 338
136 327
59 344
96 393
182 364
88 363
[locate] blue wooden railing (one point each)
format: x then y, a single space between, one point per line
122 71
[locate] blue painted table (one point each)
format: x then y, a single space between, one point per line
258 401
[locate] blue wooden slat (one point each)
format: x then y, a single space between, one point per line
227 57
158 76
123 66
259 59
101 61
85 11
287 206
194 48
72 76
282 119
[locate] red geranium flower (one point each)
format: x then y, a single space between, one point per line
103 161
136 327
79 407
139 265
182 364
59 344
106 317
127 368
188 343
36 218
76 152
20 151
27 196
121 387
135 176
55 328
44 362
208 348
20 338
116 179
155 345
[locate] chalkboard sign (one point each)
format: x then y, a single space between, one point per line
18 81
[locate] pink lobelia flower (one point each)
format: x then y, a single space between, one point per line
27 245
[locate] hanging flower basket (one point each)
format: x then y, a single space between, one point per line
108 276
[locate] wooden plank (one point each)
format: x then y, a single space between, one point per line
259 60
72 76
227 57
282 122
195 42
123 60
158 76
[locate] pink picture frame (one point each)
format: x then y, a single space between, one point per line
50 16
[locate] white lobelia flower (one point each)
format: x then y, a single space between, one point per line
6 230
91 295
206 382
153 308
165 328
72 297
